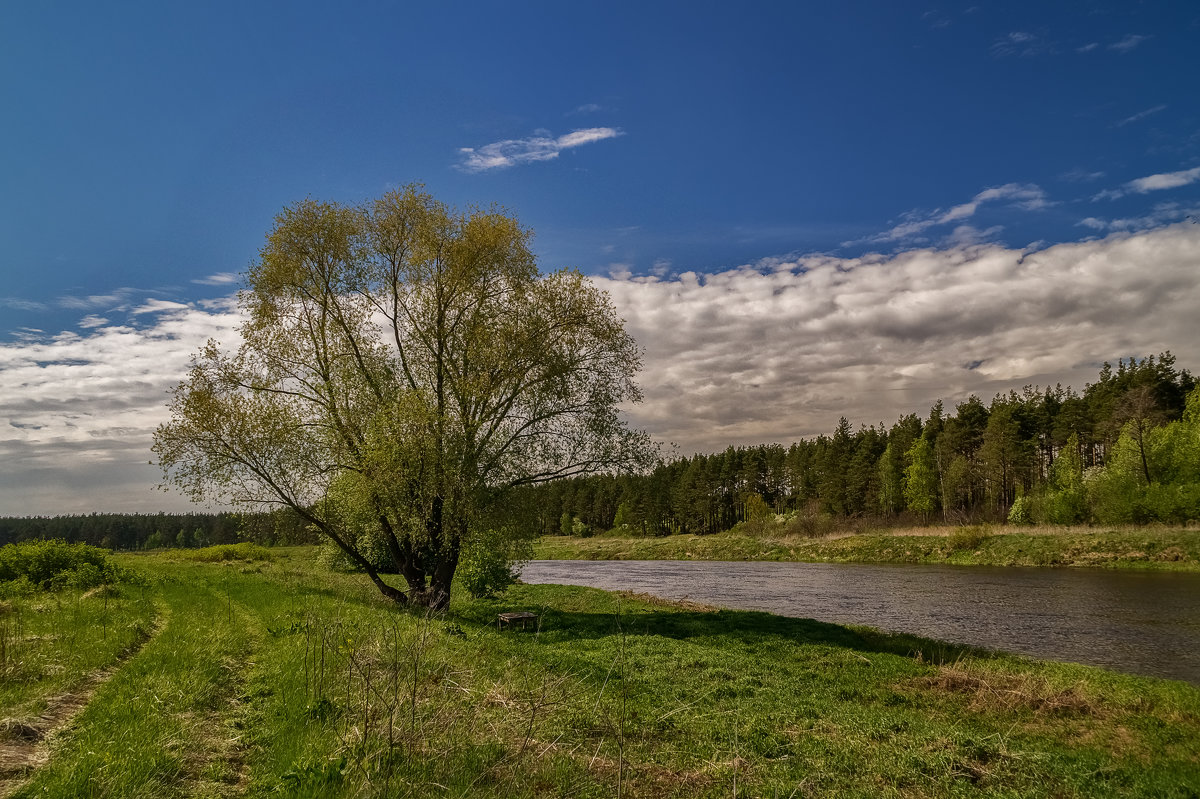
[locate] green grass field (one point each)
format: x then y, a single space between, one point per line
1132 548
267 676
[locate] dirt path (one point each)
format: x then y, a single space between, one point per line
25 744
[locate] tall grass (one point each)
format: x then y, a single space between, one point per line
287 681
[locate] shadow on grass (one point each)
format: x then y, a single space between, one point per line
725 627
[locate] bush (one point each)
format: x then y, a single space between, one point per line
810 522
1020 513
491 560
969 537
54 564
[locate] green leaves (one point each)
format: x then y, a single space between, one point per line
402 366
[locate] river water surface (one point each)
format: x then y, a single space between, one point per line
1139 622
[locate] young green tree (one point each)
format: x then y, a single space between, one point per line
402 366
920 479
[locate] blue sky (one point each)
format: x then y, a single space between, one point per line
687 155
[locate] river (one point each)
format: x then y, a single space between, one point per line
1138 622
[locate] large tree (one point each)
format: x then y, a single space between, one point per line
402 366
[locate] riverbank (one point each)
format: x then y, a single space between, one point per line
1130 548
273 676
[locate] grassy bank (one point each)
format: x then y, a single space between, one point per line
268 676
1133 548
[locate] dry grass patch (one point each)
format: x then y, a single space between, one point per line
990 692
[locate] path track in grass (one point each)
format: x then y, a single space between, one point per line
26 745
162 723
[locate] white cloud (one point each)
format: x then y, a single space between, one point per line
780 350
115 300
77 412
1087 48
773 351
219 279
1026 196
511 152
1162 214
92 320
1128 43
588 108
1165 180
158 306
966 235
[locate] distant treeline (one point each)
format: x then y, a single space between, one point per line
151 531
1126 457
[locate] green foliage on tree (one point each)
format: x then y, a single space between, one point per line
921 479
1035 443
1066 501
403 366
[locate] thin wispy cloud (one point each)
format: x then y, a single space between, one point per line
1128 43
1020 43
587 108
1161 214
1078 175
1026 196
1159 182
219 279
114 300
19 304
1140 115
513 152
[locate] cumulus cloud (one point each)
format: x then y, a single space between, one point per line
1165 180
772 351
1026 196
779 350
542 147
77 411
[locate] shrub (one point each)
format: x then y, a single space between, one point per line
970 537
491 560
810 522
1020 513
53 564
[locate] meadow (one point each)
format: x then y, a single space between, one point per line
244 671
1132 547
